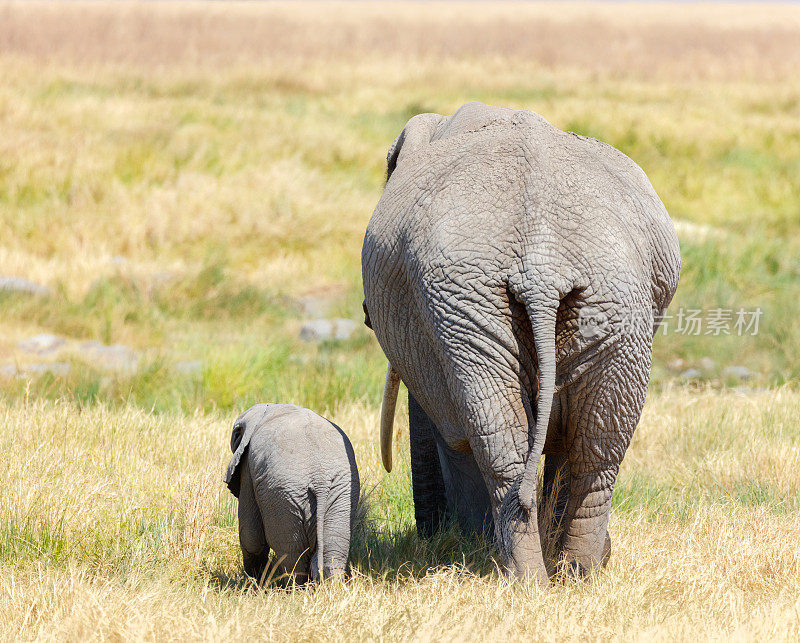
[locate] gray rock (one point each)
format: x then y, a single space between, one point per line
313 306
189 367
22 286
56 368
738 372
321 330
29 370
707 364
41 344
8 370
117 357
317 303
691 374
676 364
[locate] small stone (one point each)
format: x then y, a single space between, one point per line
189 367
317 302
322 330
22 286
738 372
691 374
163 278
676 364
313 306
41 344
707 364
56 368
116 357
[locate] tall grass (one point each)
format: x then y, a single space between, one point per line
115 523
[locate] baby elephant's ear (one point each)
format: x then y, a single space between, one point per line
240 438
236 435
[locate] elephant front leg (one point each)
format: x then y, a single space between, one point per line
426 473
255 549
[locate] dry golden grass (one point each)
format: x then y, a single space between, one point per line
116 525
679 40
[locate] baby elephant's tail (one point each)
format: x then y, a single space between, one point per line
317 571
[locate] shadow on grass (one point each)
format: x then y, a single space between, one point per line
389 553
385 551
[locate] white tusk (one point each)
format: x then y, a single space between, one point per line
390 389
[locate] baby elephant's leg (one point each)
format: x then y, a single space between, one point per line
288 536
255 550
335 532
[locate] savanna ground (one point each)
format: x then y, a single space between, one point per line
183 177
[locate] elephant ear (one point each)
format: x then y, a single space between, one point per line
419 130
242 432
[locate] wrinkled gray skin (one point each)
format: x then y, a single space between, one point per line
504 258
295 475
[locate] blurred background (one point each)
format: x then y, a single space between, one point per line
184 186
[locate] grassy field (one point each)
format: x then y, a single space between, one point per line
185 178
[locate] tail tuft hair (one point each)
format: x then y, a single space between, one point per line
512 512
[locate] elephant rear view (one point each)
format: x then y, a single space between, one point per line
295 476
514 276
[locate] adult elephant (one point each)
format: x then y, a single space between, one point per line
514 276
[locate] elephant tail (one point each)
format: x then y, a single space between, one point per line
322 508
388 405
543 321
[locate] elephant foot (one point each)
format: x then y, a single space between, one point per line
529 572
525 560
255 565
574 565
606 551
331 573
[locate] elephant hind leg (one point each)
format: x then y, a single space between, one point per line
587 544
518 537
602 416
337 527
516 528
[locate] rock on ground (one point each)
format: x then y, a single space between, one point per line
321 330
22 286
189 367
116 357
738 372
56 368
707 364
41 344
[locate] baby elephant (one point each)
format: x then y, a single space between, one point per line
295 475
